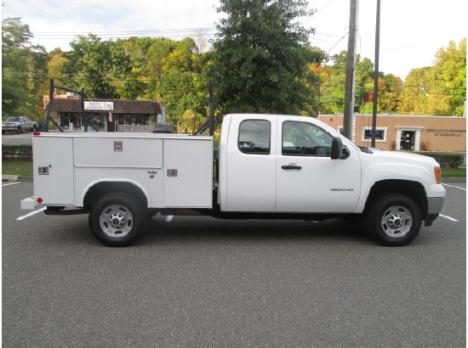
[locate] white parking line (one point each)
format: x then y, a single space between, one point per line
169 218
11 183
30 214
457 187
448 217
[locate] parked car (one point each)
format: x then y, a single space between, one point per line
18 124
268 166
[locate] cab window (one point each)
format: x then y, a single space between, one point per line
254 137
305 139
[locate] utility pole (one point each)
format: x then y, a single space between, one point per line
376 74
350 65
211 108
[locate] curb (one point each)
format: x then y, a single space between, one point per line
454 180
9 178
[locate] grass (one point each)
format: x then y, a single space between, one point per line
454 172
17 167
24 168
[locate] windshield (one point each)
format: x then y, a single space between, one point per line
12 119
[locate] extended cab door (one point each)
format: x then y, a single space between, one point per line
308 180
250 165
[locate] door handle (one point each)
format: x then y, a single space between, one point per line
291 166
152 172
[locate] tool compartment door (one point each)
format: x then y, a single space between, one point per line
53 170
188 173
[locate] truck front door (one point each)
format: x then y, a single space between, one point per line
308 180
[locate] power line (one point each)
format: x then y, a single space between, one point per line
337 42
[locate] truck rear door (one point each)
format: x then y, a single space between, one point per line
251 163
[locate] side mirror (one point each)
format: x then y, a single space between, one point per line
336 148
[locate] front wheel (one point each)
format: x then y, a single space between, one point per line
19 130
117 219
394 219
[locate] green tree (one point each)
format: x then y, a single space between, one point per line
261 56
333 82
439 89
97 67
24 69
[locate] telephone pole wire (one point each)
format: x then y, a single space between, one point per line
376 74
350 65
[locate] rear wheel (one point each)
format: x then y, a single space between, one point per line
117 219
394 219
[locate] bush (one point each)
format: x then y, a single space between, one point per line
447 159
17 151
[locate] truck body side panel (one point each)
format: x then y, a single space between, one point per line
54 156
188 173
118 152
152 187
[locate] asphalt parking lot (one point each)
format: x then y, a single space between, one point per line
194 282
17 139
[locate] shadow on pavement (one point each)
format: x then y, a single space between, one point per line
203 229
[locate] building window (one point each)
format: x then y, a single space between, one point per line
305 139
380 135
254 137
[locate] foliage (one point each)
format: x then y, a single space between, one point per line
261 61
333 82
261 56
447 159
439 89
22 168
16 151
24 70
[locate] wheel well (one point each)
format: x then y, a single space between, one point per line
408 188
102 188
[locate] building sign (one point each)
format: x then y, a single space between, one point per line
446 132
99 106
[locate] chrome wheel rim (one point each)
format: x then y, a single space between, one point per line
116 221
396 221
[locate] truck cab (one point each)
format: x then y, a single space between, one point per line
283 164
268 166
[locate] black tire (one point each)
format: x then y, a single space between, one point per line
376 224
19 130
138 219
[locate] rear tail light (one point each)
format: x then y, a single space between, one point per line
36 133
438 175
39 200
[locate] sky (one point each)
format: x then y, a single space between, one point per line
411 30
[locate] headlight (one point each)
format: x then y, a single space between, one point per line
438 175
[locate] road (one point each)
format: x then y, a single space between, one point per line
17 139
192 282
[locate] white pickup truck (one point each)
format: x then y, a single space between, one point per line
268 166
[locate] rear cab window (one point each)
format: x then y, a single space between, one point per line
255 137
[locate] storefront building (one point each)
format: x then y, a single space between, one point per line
106 115
407 132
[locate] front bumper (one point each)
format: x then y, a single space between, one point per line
434 207
9 128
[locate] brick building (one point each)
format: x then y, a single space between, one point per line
407 132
